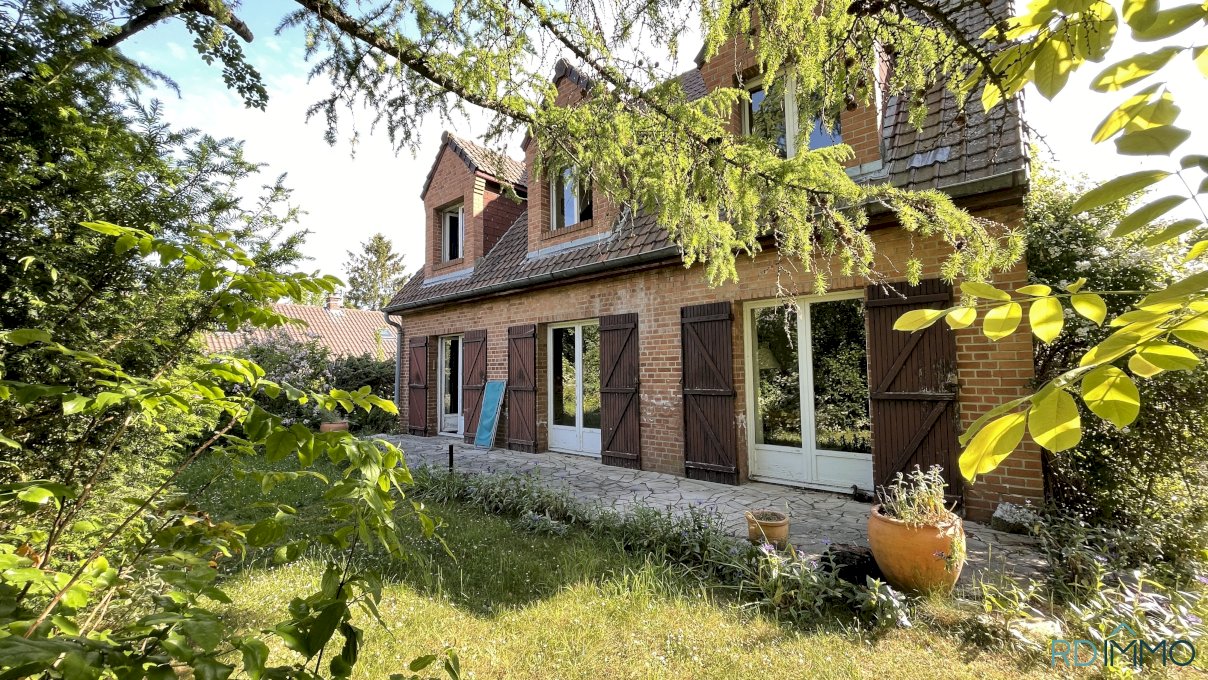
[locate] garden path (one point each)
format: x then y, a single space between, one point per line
818 518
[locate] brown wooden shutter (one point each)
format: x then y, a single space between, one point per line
417 387
620 407
912 380
473 379
710 437
522 388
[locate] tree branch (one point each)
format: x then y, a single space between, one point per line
158 13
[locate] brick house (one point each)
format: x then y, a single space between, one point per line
345 331
611 348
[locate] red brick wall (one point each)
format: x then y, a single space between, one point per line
989 372
499 212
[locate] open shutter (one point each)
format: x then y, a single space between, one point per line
620 408
710 437
417 386
912 383
473 379
522 388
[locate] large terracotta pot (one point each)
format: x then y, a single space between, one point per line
920 559
333 427
770 526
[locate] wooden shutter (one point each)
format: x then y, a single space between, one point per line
417 387
912 380
620 407
473 378
522 388
710 437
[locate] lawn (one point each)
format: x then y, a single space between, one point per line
519 605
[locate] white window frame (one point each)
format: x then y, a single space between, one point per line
441 358
792 123
555 201
445 213
587 439
809 435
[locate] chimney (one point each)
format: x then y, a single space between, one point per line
334 301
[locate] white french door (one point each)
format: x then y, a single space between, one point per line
448 397
574 387
807 392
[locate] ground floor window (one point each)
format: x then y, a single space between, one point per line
807 381
574 387
448 398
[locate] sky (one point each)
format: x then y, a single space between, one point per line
350 192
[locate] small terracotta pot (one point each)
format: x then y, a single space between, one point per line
333 427
774 531
920 559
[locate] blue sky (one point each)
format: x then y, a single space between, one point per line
349 197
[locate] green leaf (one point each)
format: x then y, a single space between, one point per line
74 403
1047 318
1139 14
1002 320
1118 188
207 668
1054 422
1168 22
1076 286
1174 230
1052 67
35 494
104 227
26 336
1158 141
1110 394
992 444
1195 251
1128 71
1201 58
1146 214
1140 367
1195 283
255 657
961 317
1036 290
1168 356
1090 306
978 289
918 319
259 423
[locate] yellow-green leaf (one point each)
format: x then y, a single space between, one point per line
1139 14
1128 71
1053 65
1054 421
1047 318
1130 110
1146 214
1174 230
918 319
1036 289
1002 320
1201 59
1110 394
1168 22
992 444
1196 250
1142 368
1157 141
1120 187
984 290
1121 343
1168 356
1196 283
1090 305
1077 285
961 317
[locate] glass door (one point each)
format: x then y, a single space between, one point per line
448 400
574 387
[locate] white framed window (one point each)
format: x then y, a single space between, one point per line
452 233
570 200
765 118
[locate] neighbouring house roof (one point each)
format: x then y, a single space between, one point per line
961 153
482 160
344 331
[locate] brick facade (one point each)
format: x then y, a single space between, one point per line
989 373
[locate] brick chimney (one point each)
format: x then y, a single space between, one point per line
334 301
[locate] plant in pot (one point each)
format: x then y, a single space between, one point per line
768 526
917 541
332 421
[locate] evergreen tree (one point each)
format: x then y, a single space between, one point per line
374 274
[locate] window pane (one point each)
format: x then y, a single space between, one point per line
452 376
452 235
562 364
568 209
821 138
840 357
778 411
765 118
584 202
591 376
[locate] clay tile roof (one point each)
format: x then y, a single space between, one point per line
343 330
480 159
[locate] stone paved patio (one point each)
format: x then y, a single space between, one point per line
818 518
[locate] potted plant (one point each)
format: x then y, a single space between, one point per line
917 541
332 422
768 526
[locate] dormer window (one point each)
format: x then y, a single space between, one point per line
777 121
570 200
452 233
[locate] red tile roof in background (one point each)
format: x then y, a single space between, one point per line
345 331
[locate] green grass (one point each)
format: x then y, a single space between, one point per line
518 605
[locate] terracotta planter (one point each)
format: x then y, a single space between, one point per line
920 559
333 427
768 526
